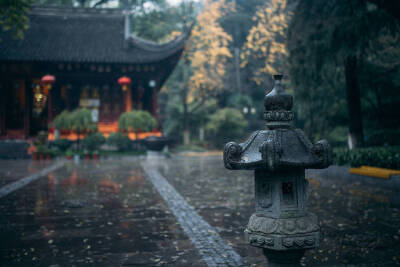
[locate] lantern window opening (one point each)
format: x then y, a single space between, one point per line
288 197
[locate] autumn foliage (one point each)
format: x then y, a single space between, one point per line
208 50
265 48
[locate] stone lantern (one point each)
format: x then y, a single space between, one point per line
279 155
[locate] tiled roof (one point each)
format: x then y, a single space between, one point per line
83 35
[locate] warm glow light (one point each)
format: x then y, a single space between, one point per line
47 81
124 82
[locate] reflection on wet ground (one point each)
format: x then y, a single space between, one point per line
107 213
13 170
103 214
359 224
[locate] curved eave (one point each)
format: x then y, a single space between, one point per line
167 48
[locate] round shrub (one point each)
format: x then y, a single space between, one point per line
225 125
62 144
93 141
136 121
120 141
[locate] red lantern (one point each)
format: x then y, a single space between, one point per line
124 82
47 81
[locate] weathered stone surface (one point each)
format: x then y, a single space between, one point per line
286 226
279 155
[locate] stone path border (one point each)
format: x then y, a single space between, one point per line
213 249
9 188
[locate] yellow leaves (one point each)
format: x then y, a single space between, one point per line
175 34
266 42
209 51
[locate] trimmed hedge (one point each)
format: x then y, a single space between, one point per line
120 141
62 144
93 141
384 157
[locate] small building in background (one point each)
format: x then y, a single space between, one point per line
87 51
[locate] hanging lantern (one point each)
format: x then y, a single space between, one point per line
124 82
39 100
47 81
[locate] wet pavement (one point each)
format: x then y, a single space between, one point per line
108 213
92 214
13 170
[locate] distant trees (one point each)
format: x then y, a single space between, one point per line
14 16
208 51
201 75
225 125
264 52
333 47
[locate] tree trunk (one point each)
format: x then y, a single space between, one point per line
356 135
237 70
186 137
201 133
201 129
77 142
56 134
186 132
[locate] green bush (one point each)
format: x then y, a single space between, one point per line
41 149
384 157
62 121
93 141
62 144
81 121
41 138
136 121
384 137
226 125
239 101
119 140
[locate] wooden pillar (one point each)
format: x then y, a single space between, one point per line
154 102
128 99
2 109
49 107
27 107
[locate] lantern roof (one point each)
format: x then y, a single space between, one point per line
48 79
124 80
280 147
84 35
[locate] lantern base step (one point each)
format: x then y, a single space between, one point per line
283 233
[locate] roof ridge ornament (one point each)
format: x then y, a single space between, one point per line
278 105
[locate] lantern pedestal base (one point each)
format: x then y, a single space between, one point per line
283 234
283 258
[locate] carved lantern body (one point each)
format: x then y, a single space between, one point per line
279 157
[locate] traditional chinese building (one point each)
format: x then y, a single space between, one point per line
87 51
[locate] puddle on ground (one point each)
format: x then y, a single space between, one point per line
91 214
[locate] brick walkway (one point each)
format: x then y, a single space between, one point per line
214 250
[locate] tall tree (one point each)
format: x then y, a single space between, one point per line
333 37
14 16
208 53
201 74
208 50
264 52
